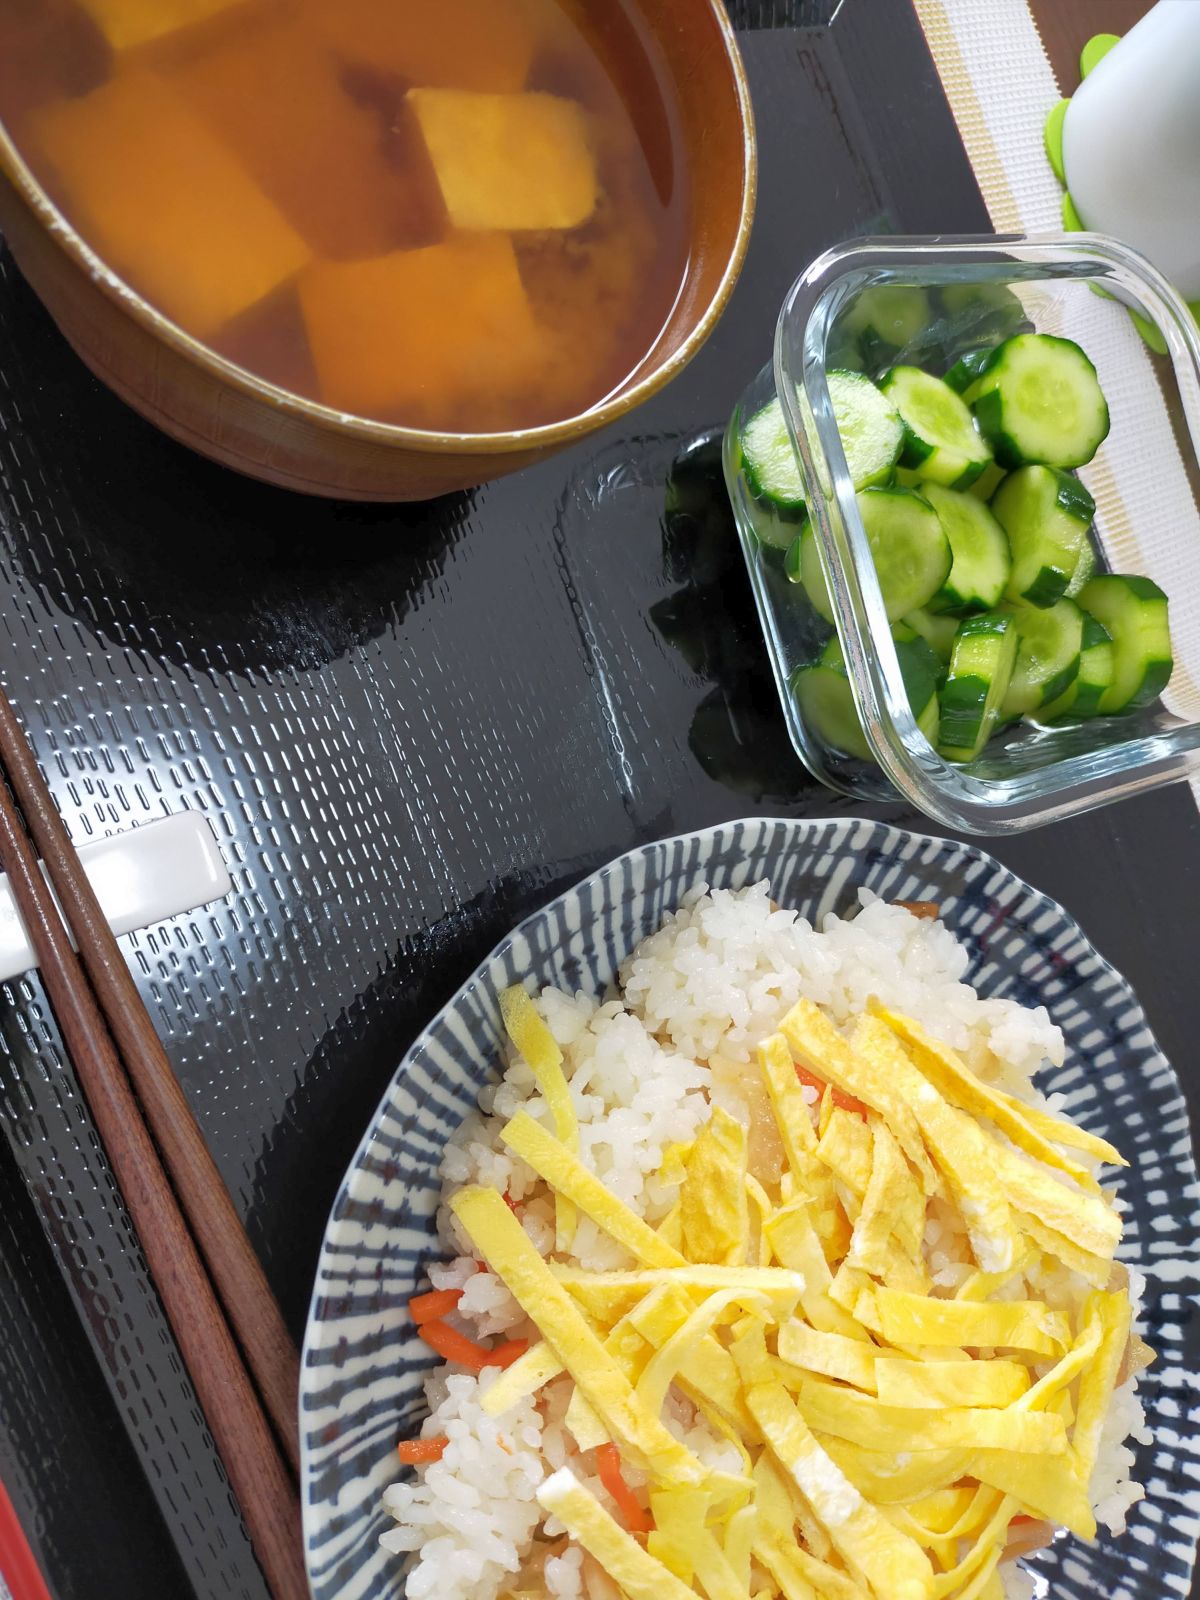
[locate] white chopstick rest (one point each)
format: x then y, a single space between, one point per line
140 877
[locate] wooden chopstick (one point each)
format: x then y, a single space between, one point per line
235 1269
257 1471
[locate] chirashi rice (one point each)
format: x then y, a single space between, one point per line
645 1064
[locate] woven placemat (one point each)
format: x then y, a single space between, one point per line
1001 87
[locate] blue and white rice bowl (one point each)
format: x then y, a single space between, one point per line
364 1370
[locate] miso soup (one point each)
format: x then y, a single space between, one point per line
459 215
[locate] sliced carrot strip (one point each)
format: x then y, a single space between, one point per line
425 1307
926 910
513 1205
840 1097
413 1452
1025 1535
454 1346
503 1355
463 1352
608 1465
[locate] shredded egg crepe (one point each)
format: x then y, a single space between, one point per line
767 1381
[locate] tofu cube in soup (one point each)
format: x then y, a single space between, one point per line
421 330
508 161
164 202
278 96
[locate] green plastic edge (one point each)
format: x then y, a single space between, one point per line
1151 336
1054 139
1095 50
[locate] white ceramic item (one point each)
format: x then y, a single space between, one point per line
140 877
1131 142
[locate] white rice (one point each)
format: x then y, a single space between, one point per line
632 1096
721 972
472 1514
694 1000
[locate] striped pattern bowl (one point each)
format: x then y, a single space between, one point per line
362 1366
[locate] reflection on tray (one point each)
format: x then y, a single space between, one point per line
206 569
737 732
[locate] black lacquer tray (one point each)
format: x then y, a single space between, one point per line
409 726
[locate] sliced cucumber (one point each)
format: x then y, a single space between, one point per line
981 666
1049 642
939 435
1038 400
803 565
911 552
1085 569
1134 611
984 487
826 700
929 721
979 547
871 432
980 311
1046 515
922 671
988 481
937 631
773 527
1097 666
769 461
826 703
886 319
967 368
842 353
794 560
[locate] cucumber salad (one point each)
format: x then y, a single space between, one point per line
980 532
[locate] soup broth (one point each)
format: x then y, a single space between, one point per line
458 215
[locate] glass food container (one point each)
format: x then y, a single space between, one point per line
972 293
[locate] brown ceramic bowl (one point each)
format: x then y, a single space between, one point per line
225 412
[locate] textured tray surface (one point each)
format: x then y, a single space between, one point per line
410 727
